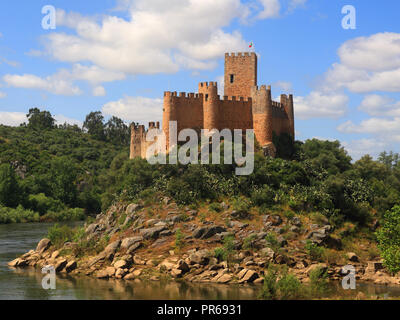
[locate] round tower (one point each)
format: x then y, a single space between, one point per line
210 104
169 114
262 114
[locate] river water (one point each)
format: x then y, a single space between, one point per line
22 284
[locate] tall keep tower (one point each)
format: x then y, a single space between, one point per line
240 73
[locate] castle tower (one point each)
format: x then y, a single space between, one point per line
262 114
240 73
137 140
169 114
210 104
287 103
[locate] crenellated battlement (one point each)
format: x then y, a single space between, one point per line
239 54
208 84
243 105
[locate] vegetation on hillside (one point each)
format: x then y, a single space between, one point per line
50 172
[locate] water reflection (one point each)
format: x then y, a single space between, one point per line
87 288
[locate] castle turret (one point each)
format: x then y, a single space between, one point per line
169 114
137 147
240 73
287 103
262 114
210 104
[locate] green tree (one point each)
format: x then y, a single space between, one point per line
389 239
40 120
94 124
63 174
9 188
117 131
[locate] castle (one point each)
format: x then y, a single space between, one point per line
243 106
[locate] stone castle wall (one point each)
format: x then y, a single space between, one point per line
244 106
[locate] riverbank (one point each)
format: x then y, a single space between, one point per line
133 242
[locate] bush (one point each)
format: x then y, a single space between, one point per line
18 215
216 207
59 235
76 214
389 240
43 204
319 283
315 252
179 236
263 197
280 285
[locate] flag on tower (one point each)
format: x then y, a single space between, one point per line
251 44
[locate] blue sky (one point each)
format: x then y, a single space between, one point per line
120 56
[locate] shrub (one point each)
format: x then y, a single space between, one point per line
272 241
319 283
216 207
280 285
248 243
389 240
263 197
59 235
179 236
314 251
241 204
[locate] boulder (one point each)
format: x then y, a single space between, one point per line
152 233
240 214
249 276
128 242
71 266
176 273
207 232
60 265
134 247
352 257
18 263
268 253
225 278
132 208
106 273
199 257
120 264
296 221
276 220
112 247
43 245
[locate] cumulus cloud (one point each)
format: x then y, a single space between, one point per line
367 64
271 9
320 105
359 148
378 126
62 82
52 84
14 119
135 109
380 106
157 37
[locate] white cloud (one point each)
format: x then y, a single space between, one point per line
99 91
367 64
135 109
158 36
16 118
380 106
362 147
293 4
271 9
12 118
378 126
284 85
62 82
320 105
52 84
61 119
3 95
